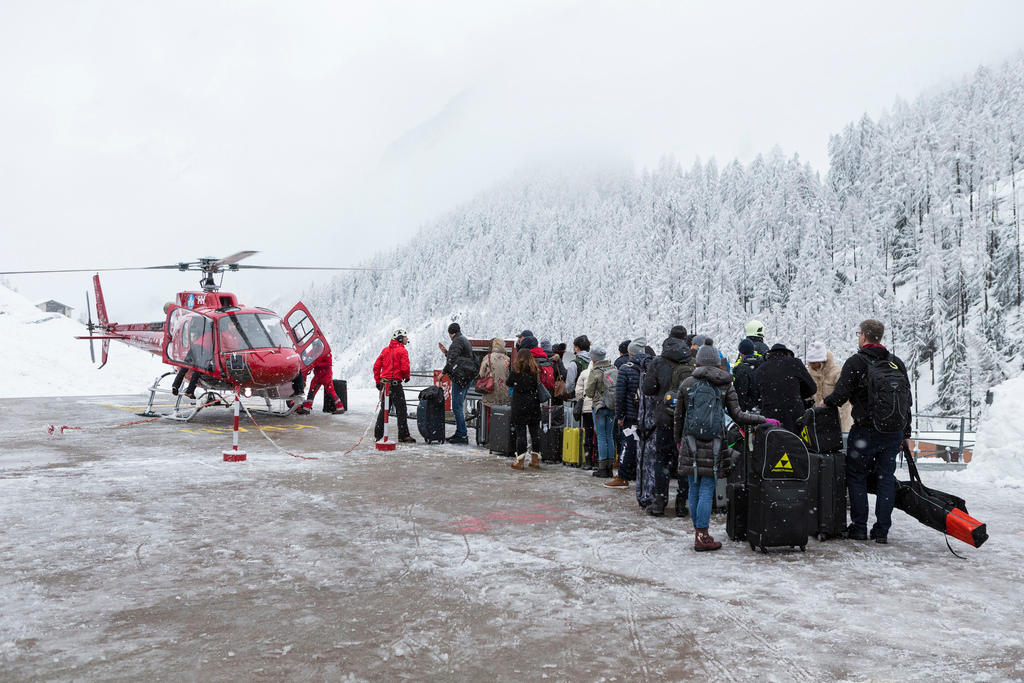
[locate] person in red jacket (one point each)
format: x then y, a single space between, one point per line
323 376
392 367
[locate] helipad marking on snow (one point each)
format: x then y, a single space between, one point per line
227 430
535 515
783 465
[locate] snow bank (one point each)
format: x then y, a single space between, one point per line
42 357
999 453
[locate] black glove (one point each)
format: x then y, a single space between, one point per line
577 411
406 380
379 386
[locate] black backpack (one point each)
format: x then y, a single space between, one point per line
888 394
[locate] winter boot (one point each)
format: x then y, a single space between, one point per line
518 462
682 509
657 506
702 541
305 408
617 483
535 460
604 469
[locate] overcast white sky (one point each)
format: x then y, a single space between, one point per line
143 133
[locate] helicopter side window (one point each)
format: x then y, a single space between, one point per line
312 352
302 327
244 331
191 339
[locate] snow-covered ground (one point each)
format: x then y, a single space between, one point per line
136 553
43 358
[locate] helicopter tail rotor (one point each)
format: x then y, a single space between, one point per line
90 326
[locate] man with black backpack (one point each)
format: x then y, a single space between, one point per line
461 367
661 380
875 381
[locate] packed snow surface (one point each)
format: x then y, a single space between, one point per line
135 553
43 358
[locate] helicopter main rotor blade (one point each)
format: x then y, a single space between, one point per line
309 268
234 258
86 270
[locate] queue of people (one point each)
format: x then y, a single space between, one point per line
646 398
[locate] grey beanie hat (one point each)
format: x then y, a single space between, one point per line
698 340
708 354
597 353
636 347
545 346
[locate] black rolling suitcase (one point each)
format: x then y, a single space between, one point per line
552 426
430 415
826 499
483 412
341 389
777 476
499 437
821 430
736 513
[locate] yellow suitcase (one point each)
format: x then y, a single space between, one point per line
572 446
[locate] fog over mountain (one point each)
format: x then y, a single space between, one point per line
916 223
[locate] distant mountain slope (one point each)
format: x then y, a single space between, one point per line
42 358
917 224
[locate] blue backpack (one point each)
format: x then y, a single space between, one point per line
705 412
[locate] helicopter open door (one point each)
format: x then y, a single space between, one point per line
310 342
189 340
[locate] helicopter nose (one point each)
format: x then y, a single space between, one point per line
274 367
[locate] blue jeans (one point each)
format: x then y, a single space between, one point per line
604 423
874 453
702 495
459 408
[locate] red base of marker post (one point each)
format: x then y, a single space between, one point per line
384 444
235 455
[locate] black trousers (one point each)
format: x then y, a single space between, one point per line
534 429
401 412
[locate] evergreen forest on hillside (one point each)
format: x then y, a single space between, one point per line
916 223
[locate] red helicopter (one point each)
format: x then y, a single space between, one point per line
234 349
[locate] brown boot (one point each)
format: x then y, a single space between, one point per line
517 463
702 541
617 483
535 460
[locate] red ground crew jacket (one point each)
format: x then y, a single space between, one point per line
392 363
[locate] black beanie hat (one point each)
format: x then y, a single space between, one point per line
679 332
624 346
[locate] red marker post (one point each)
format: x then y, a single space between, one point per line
235 455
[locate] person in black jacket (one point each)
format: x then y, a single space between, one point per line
524 380
743 374
461 367
664 375
627 404
782 384
868 449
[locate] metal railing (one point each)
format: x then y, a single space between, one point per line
957 429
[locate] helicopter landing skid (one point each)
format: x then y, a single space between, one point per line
184 408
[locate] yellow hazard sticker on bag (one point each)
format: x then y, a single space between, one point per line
783 465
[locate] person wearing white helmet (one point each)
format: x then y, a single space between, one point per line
755 333
392 367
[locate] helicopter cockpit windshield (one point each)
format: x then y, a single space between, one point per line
244 331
